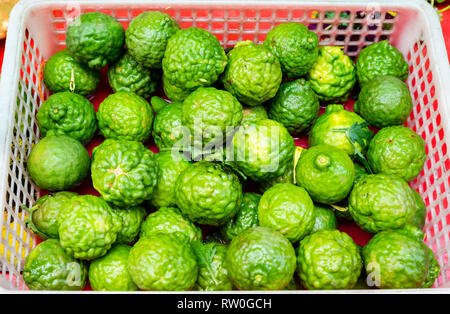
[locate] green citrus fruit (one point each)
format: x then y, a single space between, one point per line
380 59
110 272
48 267
174 92
162 262
252 114
382 201
288 209
295 46
295 105
397 150
147 35
125 115
208 193
62 73
132 218
325 219
124 172
328 260
253 73
333 75
66 113
421 211
127 75
260 258
433 270
246 217
58 162
95 39
87 227
167 126
170 220
384 101
43 216
326 172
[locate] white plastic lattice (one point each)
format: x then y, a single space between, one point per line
37 30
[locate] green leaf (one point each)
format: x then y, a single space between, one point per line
205 256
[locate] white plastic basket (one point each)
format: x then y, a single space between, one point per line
37 30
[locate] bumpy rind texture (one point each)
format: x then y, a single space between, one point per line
58 162
252 114
147 36
88 227
326 172
395 260
421 211
162 262
199 55
333 75
132 218
381 202
295 46
48 267
125 115
66 113
110 272
167 126
260 259
95 39
263 149
208 193
171 221
324 129
209 113
328 260
129 76
171 164
173 92
288 209
433 270
380 59
246 217
325 219
295 105
124 172
58 75
397 150
43 216
253 73
219 280
384 101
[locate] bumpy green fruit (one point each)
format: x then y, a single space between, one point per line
62 73
198 54
381 202
87 227
208 193
162 262
214 277
58 162
325 219
288 209
69 114
384 101
295 46
327 173
260 259
173 92
253 73
333 75
132 218
43 216
328 259
171 164
170 220
252 114
147 35
95 39
48 267
397 150
110 272
380 59
263 149
127 75
246 217
167 127
124 172
295 105
421 211
125 115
